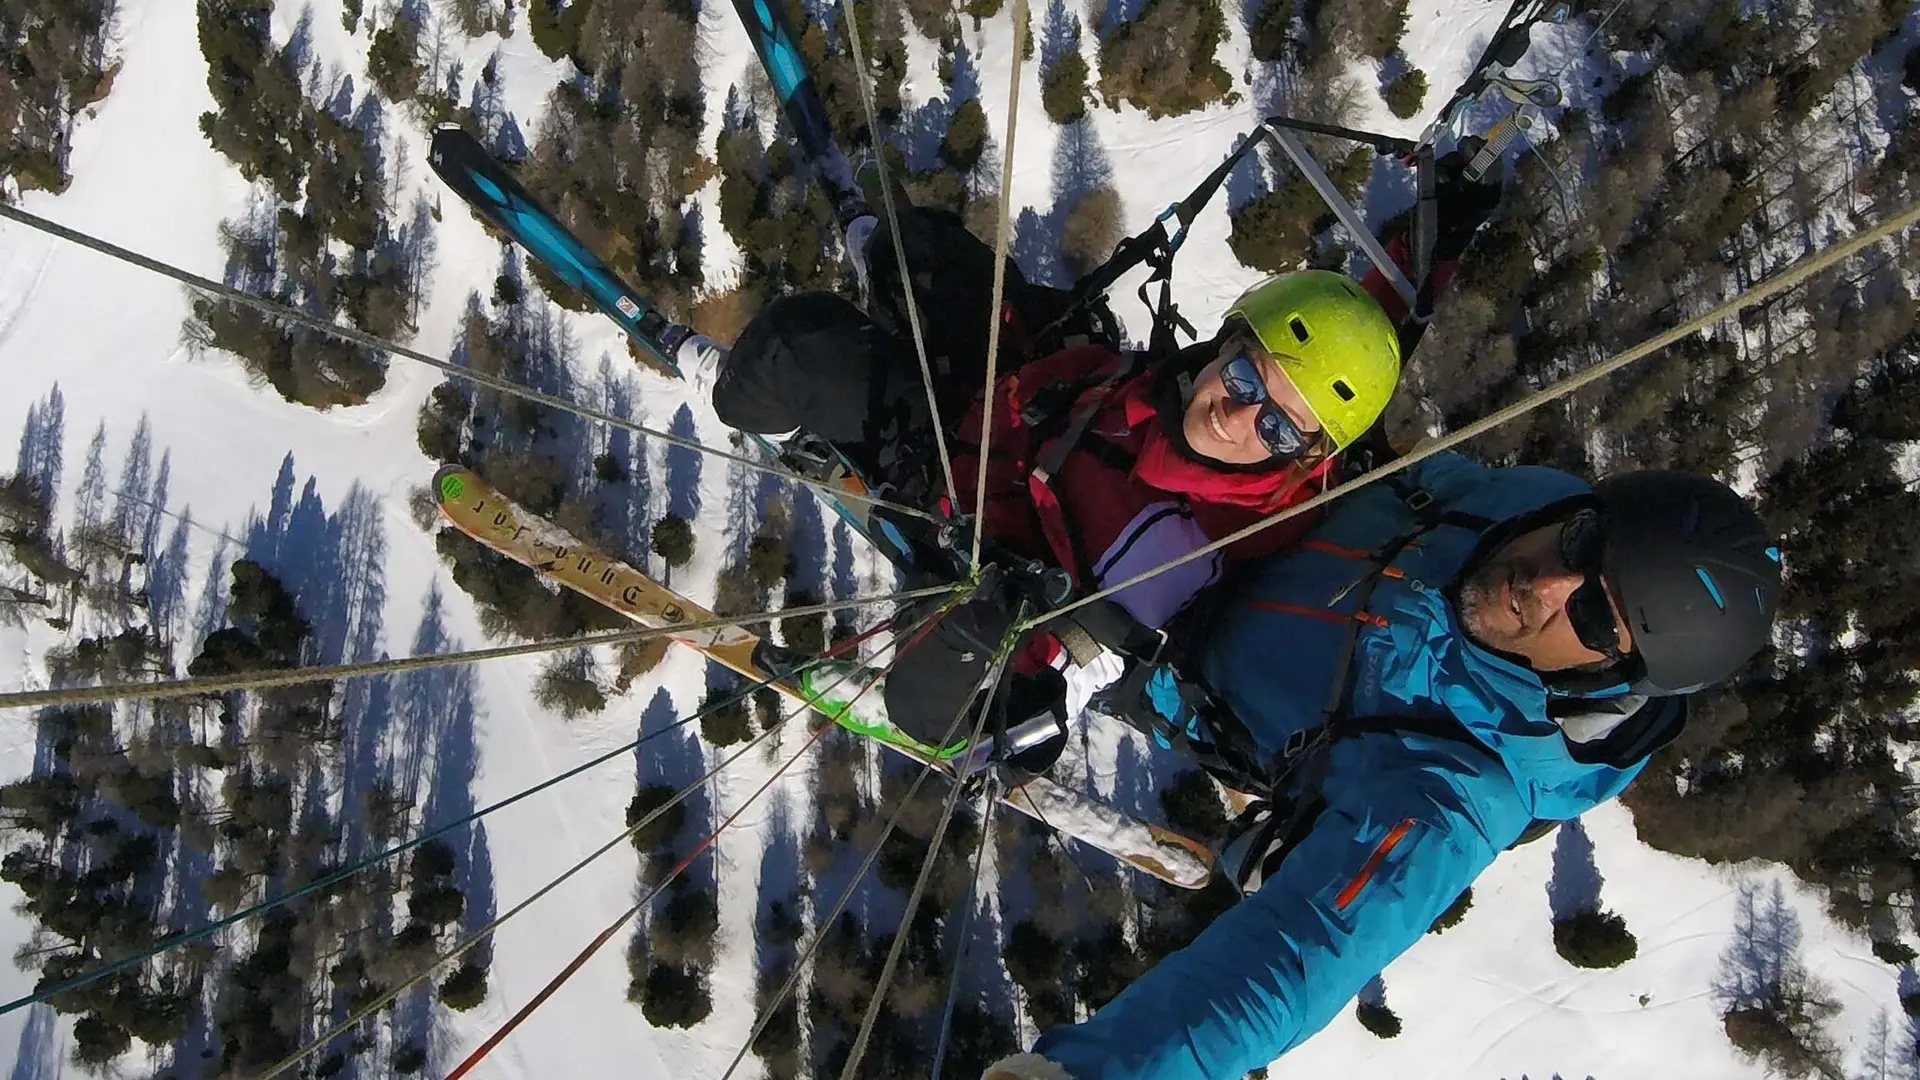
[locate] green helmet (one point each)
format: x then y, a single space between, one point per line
1334 342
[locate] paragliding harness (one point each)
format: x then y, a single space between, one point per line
1205 725
1301 768
1159 696
1154 695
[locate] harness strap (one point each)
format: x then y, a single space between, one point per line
1155 248
1064 541
1314 747
1426 233
1259 856
1311 747
1106 623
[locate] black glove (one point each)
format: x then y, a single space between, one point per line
932 680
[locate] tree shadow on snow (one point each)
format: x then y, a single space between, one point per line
807 543
1762 957
842 582
781 880
676 760
1059 35
42 1050
1118 12
623 507
43 444
683 467
925 125
1141 771
1575 884
334 564
1374 993
1080 167
211 611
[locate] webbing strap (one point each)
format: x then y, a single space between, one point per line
1426 235
1046 502
1155 247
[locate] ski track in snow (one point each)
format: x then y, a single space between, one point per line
1486 999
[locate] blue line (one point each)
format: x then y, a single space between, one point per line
1712 589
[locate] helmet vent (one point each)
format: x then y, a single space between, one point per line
1299 329
1713 590
1341 388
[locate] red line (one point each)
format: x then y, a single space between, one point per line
1352 892
1304 612
606 935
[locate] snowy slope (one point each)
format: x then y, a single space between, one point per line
1487 999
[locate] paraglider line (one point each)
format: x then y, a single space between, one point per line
366 340
488 930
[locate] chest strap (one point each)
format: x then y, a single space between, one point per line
1063 540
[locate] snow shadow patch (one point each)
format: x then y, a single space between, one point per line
676 760
621 486
1059 35
1035 246
1374 993
1246 182
210 613
167 577
1080 167
299 49
1761 963
683 467
1117 12
807 544
43 444
779 928
334 564
1575 884
188 907
1138 773
1909 983
1390 189
782 892
841 575
925 125
42 1051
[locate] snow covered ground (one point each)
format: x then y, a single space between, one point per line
1487 999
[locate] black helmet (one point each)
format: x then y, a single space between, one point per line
1694 572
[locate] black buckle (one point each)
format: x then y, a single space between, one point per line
1296 742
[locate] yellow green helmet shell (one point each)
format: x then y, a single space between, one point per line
1333 341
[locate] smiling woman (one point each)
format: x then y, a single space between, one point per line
1245 410
1307 362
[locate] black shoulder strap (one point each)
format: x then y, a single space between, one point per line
1436 727
1104 622
1431 514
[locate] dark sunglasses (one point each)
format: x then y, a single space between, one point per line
1278 433
1588 611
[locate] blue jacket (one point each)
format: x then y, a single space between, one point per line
1410 820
